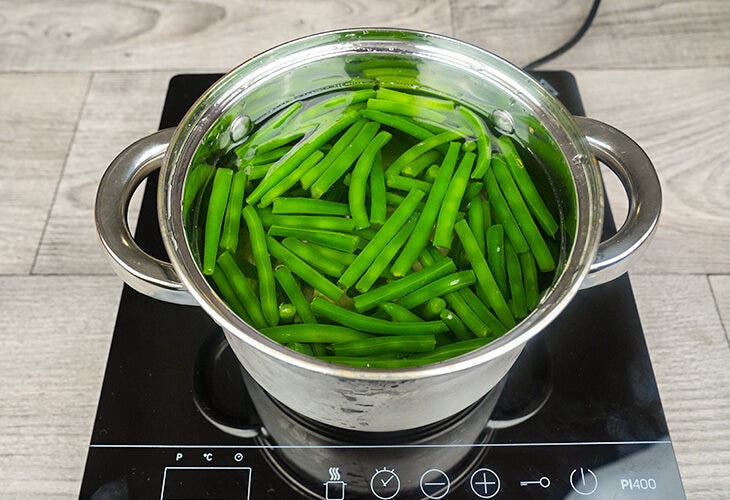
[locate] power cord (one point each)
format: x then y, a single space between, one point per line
570 43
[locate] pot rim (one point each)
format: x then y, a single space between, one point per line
555 118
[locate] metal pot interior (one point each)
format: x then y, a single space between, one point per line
555 154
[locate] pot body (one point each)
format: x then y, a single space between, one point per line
371 405
384 400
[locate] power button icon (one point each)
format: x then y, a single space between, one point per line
583 481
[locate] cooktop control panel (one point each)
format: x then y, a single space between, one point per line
500 470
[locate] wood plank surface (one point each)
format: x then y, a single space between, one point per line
625 33
680 117
721 292
39 114
120 108
195 35
55 333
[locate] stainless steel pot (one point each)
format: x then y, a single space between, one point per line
384 400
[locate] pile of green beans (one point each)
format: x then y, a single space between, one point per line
376 228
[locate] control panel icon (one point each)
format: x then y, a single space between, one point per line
485 483
435 484
334 488
385 483
583 481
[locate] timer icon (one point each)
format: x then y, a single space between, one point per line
385 483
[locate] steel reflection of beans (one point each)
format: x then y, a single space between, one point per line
376 228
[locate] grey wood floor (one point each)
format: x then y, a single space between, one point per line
79 80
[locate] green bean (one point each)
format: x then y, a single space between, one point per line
436 127
495 255
516 286
502 211
310 255
472 191
214 217
268 156
279 141
242 289
480 309
419 239
363 143
271 126
399 108
432 309
451 350
381 239
406 344
324 222
432 173
306 147
312 333
447 284
487 211
469 145
257 172
374 325
330 239
289 181
284 276
335 103
337 149
306 272
417 150
527 187
417 100
383 259
402 183
398 288
360 174
318 349
301 348
414 168
455 325
196 179
398 313
232 220
484 152
529 277
287 312
476 223
390 71
377 192
457 303
345 258
443 339
394 199
308 206
361 362
485 280
229 296
450 205
267 286
520 211
397 122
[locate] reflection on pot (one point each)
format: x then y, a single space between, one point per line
304 451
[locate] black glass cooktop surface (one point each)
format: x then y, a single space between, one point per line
578 416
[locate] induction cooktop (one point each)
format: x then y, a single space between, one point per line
578 416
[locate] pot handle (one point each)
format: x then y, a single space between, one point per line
136 267
639 178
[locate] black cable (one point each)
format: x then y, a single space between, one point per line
570 43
